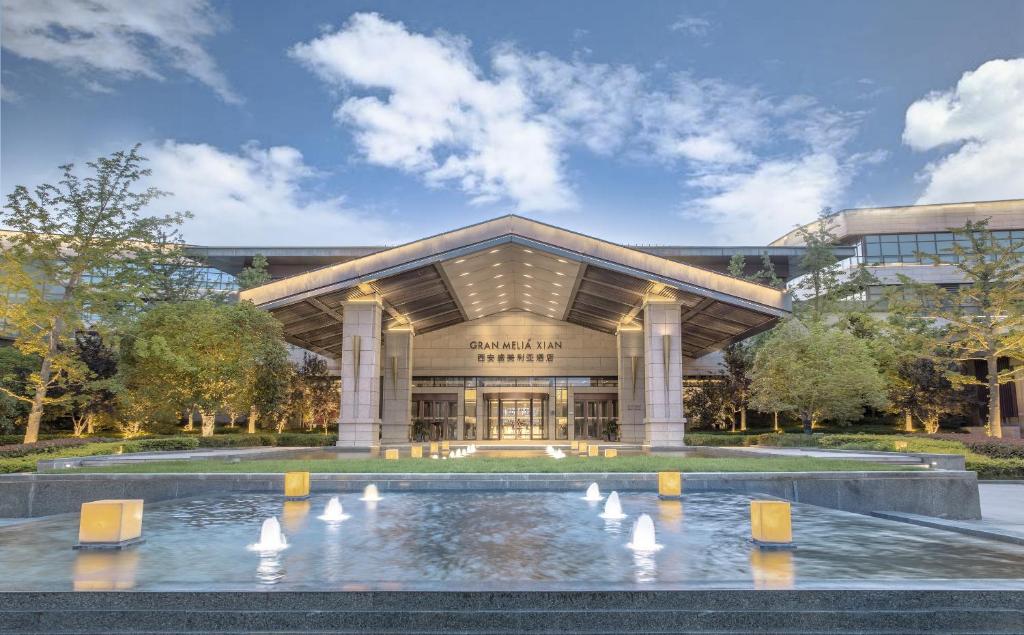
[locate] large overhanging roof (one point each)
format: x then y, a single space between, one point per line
513 263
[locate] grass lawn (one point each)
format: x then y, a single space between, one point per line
493 464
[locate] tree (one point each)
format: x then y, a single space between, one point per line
825 287
737 360
982 318
255 274
15 369
923 391
96 393
201 355
708 405
816 372
313 396
82 251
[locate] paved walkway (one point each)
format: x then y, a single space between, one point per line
877 457
1002 515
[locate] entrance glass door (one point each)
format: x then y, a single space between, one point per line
593 418
434 419
516 418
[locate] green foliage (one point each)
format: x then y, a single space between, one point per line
717 440
708 405
817 373
15 369
255 274
163 445
83 250
199 354
983 319
826 288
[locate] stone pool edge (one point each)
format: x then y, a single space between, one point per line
942 494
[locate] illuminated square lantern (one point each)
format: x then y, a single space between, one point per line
391 454
110 524
575 445
593 450
582 447
296 485
433 447
771 523
610 453
670 484
445 445
416 451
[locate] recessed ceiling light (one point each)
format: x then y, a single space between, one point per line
476 301
527 286
497 276
526 275
563 261
472 294
527 294
559 273
503 302
494 251
527 264
554 293
550 316
469 284
497 264
501 295
552 302
480 309
527 302
528 251
464 273
557 284
460 261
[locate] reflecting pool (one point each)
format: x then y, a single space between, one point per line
489 539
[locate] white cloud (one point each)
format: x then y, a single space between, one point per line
256 197
440 118
419 103
122 38
758 205
984 116
693 26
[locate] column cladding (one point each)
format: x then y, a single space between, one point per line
397 396
632 389
359 423
663 378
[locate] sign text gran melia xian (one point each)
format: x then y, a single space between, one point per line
525 350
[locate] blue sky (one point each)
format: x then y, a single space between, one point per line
319 123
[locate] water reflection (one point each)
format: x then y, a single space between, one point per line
645 567
771 568
293 515
670 513
270 569
105 570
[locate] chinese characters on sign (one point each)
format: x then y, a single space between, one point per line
508 357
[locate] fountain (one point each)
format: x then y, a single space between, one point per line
271 538
612 508
593 493
333 512
370 494
550 450
643 538
558 454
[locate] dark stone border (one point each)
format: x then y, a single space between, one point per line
942 494
900 610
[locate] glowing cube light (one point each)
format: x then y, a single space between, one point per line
433 447
582 447
110 524
670 484
610 453
771 523
296 485
593 450
391 454
416 451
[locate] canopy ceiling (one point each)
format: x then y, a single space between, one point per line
513 263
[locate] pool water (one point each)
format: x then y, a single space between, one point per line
488 539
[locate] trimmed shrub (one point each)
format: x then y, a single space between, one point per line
300 439
162 445
48 446
719 440
240 440
992 468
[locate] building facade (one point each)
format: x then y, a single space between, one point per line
513 330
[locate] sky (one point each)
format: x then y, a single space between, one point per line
355 123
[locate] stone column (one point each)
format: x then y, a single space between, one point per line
663 376
397 395
359 424
632 389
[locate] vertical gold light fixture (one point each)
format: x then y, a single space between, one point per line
666 351
634 366
356 350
